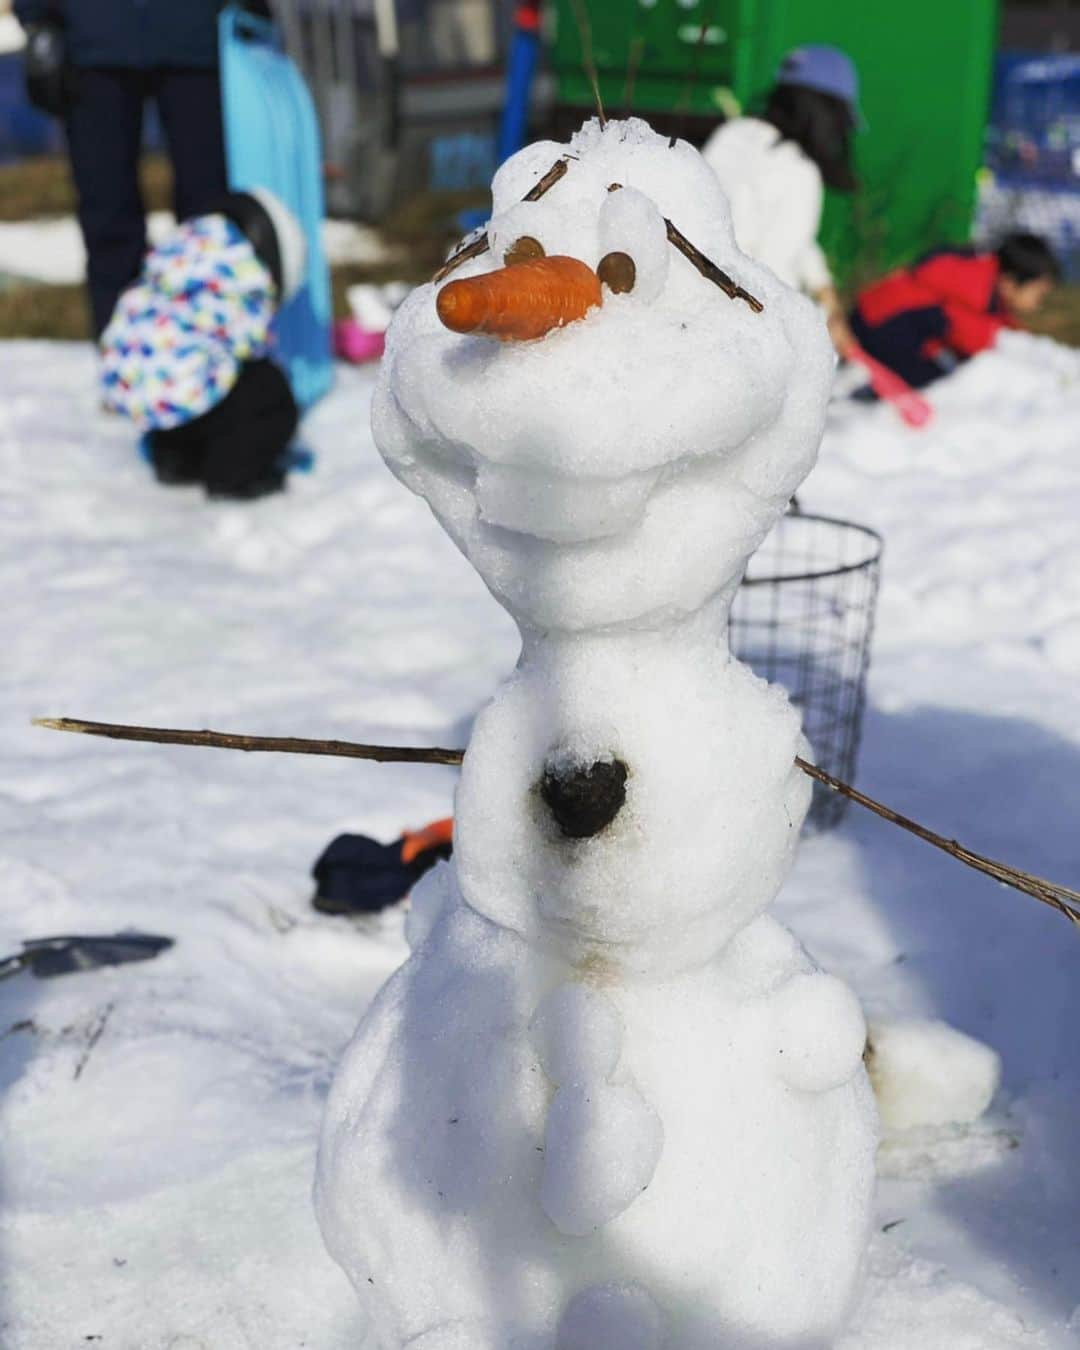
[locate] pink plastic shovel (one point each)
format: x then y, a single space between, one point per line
912 407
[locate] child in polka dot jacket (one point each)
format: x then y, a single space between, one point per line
188 353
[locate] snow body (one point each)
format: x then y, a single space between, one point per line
608 1101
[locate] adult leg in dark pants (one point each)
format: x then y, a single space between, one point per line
104 131
189 102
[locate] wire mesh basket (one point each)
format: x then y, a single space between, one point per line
804 617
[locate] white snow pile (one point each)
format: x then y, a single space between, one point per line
925 1072
159 1122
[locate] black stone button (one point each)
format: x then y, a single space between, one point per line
584 798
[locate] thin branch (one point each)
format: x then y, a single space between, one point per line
705 266
633 62
1060 898
548 180
475 249
287 745
709 269
581 17
96 1030
479 246
690 84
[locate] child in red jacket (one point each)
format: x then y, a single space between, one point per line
922 320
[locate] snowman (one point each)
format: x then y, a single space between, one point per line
608 1103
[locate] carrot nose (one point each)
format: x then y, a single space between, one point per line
520 302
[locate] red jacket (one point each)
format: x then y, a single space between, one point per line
961 284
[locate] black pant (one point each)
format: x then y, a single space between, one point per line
898 343
241 441
104 130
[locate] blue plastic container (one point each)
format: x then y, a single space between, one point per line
1033 154
23 130
1033 139
272 141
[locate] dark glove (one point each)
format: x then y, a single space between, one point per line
45 65
358 875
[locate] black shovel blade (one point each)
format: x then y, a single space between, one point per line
46 957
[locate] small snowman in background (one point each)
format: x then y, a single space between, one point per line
608 1103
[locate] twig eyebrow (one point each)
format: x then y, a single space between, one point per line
479 246
705 266
547 181
709 269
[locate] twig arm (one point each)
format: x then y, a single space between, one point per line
288 745
1061 898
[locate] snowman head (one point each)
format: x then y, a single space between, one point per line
606 427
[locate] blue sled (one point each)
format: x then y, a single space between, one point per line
272 141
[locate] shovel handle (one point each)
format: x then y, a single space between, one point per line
912 407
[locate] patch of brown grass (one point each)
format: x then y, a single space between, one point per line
39 311
427 219
41 186
412 270
1060 316
424 229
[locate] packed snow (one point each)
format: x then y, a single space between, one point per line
927 1073
159 1122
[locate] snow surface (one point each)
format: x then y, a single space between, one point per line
158 1124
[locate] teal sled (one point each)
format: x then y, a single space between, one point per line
272 141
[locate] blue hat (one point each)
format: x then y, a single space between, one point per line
826 69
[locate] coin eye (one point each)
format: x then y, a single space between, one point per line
523 250
617 272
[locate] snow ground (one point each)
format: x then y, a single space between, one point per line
158 1122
